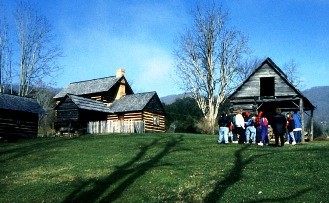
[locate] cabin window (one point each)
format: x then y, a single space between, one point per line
267 87
156 120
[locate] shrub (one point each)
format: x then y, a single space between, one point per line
321 138
203 126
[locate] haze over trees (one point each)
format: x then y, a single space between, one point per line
208 55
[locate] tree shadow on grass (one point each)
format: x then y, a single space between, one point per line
13 151
235 176
126 174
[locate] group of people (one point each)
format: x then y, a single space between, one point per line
246 128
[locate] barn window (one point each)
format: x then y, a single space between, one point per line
267 87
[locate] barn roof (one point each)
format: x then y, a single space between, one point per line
284 78
17 103
89 86
272 65
133 102
87 104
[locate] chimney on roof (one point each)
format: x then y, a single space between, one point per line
120 72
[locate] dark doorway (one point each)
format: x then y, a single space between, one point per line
267 86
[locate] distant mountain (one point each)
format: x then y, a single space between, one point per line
319 97
172 98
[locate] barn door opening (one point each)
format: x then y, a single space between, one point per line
267 87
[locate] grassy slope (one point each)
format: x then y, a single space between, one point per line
161 167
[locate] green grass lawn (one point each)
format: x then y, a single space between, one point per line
161 168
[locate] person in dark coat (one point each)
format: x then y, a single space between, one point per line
279 127
224 122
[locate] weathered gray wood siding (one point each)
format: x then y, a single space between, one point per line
251 87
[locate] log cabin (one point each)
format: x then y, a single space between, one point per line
268 88
109 98
19 117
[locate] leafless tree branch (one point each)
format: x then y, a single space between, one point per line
207 59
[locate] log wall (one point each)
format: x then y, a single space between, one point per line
15 124
153 122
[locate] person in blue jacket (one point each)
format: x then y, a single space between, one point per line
251 130
298 126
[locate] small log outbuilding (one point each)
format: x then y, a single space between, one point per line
145 107
19 117
74 113
268 88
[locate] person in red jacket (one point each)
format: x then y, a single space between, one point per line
290 129
263 123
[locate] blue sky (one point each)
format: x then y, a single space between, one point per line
99 36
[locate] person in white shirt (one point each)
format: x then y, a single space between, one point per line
239 125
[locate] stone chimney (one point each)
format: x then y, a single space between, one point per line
120 72
122 88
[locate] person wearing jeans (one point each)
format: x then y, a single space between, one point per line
224 122
290 127
298 126
251 130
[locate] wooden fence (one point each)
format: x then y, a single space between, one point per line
129 126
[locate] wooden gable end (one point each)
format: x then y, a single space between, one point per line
254 86
155 106
120 88
154 115
67 110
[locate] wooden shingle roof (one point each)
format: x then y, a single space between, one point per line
16 103
89 86
87 104
133 102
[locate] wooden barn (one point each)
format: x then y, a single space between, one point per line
268 88
109 98
19 117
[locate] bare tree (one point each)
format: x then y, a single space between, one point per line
3 34
6 79
246 68
38 54
291 70
207 59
